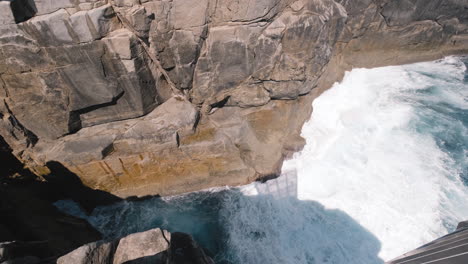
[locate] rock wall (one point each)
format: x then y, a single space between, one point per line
142 97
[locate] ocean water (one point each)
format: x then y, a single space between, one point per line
384 170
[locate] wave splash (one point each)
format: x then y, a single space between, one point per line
388 146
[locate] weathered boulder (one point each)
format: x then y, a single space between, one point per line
96 252
142 245
154 246
177 34
287 55
77 77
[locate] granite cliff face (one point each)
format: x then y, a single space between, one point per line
142 97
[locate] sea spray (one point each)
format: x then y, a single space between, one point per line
388 146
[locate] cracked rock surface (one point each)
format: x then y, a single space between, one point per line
140 97
153 246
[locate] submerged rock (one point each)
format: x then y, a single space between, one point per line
152 246
166 97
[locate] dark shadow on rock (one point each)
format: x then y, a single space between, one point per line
11 168
183 250
158 258
28 217
141 198
23 9
19 249
71 187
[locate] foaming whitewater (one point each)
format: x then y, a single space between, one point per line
384 171
388 146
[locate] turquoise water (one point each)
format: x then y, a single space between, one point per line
219 219
384 170
442 112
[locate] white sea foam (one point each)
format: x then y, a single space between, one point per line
374 151
365 156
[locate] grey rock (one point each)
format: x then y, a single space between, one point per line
139 20
85 6
52 28
6 14
59 28
96 252
285 89
140 245
248 96
101 19
121 43
80 27
49 6
92 24
226 61
402 12
246 10
77 86
188 13
153 246
28 87
273 52
126 3
177 36
164 97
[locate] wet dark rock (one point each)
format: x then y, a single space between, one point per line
184 250
462 225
